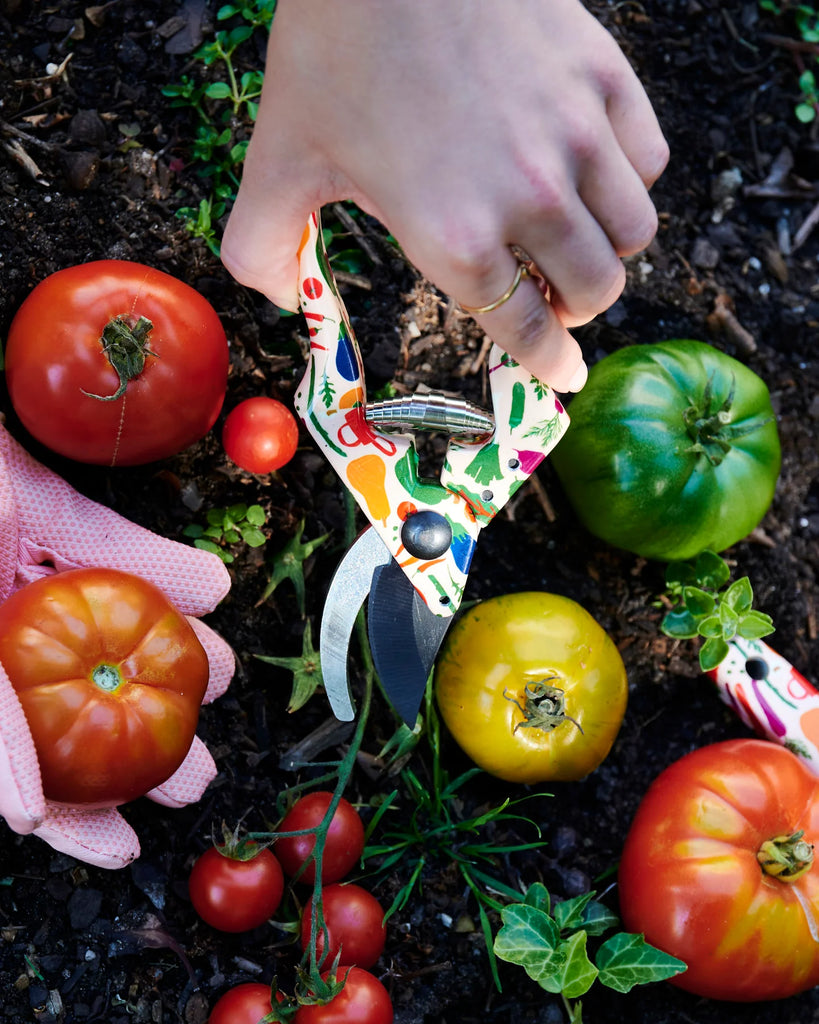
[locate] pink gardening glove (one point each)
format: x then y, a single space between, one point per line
47 527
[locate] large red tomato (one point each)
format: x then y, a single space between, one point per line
718 870
110 676
116 363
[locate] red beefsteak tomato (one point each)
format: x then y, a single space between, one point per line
115 363
110 676
718 869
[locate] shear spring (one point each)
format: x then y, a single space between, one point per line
430 411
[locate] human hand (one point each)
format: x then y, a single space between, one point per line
464 131
47 527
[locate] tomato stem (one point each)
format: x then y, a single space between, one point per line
125 342
710 428
543 707
106 677
786 857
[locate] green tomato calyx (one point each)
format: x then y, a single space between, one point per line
107 677
786 857
125 343
543 707
710 428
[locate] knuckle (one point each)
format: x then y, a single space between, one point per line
638 232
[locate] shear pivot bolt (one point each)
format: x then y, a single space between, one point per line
426 535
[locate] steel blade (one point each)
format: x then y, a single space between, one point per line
404 638
348 590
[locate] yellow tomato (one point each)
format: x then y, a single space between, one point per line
531 687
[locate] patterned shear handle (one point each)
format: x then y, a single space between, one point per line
430 527
771 697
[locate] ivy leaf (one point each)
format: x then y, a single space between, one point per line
529 938
578 973
569 913
627 960
537 895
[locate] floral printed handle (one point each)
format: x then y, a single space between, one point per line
381 469
771 697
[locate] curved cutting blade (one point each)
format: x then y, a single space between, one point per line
348 590
404 638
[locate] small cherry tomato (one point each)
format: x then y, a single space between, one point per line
354 920
531 688
245 1004
363 1000
260 435
236 889
110 676
116 363
343 845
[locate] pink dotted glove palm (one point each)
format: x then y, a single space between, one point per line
47 527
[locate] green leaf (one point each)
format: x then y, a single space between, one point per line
578 973
698 602
598 919
679 575
729 620
231 537
218 91
710 626
289 564
805 112
252 537
739 596
529 938
537 895
627 960
193 530
712 652
711 571
568 914
306 669
256 515
754 625
679 624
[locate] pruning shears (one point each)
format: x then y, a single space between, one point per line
412 561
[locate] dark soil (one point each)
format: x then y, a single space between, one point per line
81 944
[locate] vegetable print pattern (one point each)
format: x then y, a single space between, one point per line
771 697
381 469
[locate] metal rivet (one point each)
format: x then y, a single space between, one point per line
426 534
487 495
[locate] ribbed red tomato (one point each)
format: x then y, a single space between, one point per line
110 676
718 869
116 363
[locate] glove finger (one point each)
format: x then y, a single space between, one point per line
221 659
57 524
189 781
101 837
21 792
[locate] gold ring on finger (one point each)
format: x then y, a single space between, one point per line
521 272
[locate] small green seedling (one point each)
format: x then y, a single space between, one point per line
550 942
709 606
806 21
239 524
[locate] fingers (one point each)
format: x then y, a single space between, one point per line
189 781
102 838
221 659
58 524
21 792
527 327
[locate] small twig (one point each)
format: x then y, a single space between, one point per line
22 159
356 280
723 320
480 358
795 45
805 228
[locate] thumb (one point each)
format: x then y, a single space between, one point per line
261 240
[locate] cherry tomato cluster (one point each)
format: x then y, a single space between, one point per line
239 885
